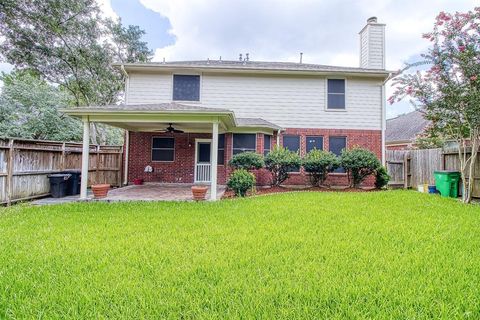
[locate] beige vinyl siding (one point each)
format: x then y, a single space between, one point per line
149 88
372 47
291 102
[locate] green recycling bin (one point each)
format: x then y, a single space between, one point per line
447 183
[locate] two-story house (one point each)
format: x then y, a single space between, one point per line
186 119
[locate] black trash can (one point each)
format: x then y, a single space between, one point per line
73 184
58 184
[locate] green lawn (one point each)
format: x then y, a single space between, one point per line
395 254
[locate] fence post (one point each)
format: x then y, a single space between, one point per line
405 170
10 165
62 160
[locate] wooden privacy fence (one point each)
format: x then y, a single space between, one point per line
25 165
410 168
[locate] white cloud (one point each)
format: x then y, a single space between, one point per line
106 8
326 31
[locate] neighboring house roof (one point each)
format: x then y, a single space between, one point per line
229 65
171 108
405 127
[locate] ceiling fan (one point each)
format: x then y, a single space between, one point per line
170 129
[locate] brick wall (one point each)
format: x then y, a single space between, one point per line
182 169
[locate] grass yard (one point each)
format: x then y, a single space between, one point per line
395 254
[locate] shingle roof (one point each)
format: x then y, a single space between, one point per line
405 127
169 106
256 122
254 65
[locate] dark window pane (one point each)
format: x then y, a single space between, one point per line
221 156
336 86
204 152
336 101
186 87
314 143
221 149
163 143
244 142
221 141
292 143
336 145
162 155
267 144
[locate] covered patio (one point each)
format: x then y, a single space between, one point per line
146 192
179 140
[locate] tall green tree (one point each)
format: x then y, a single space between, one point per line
449 91
70 44
29 109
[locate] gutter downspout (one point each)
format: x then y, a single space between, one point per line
384 117
127 133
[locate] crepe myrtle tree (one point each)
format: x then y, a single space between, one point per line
448 91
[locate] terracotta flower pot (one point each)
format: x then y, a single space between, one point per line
199 192
100 190
138 181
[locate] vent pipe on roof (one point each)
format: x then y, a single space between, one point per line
240 57
246 57
301 57
220 59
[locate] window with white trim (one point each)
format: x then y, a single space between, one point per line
243 142
336 94
163 149
186 87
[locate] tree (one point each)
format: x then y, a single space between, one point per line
359 164
247 161
449 91
29 109
317 163
69 44
279 162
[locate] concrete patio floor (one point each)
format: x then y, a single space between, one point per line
145 192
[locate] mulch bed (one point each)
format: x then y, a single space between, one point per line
269 190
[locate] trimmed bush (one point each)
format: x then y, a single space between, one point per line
247 160
381 177
359 164
317 163
279 161
241 181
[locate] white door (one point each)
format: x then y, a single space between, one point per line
202 160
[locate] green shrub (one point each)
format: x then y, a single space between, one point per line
279 162
247 161
241 181
359 164
381 177
317 163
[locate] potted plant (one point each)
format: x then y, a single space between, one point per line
138 181
100 190
199 192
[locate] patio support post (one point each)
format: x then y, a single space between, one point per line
85 156
214 156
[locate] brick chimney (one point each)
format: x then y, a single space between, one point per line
372 45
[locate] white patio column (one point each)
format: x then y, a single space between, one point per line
85 155
213 157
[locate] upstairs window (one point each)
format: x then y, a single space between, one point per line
267 144
314 143
292 143
336 145
243 142
163 149
336 94
186 87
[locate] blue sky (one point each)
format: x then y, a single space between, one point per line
132 12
